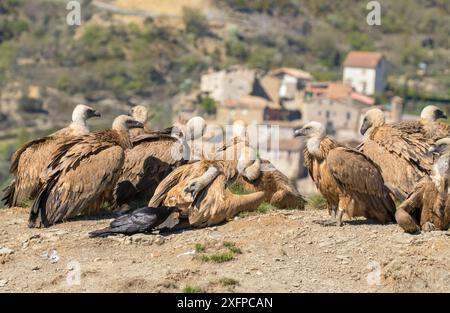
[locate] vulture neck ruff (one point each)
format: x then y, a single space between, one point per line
124 139
79 125
313 146
440 171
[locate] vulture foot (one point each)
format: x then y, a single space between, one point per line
428 226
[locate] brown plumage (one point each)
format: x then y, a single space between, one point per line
28 162
278 190
428 125
153 156
200 191
428 206
349 181
402 157
82 174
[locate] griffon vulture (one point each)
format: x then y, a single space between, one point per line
153 156
28 162
428 125
349 181
402 157
428 206
200 191
82 174
140 221
278 190
230 148
140 114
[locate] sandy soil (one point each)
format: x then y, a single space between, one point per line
281 251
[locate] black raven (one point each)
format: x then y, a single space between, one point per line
139 221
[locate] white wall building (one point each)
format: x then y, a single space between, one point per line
365 72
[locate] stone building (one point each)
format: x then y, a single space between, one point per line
365 72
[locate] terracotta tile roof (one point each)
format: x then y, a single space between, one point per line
338 91
363 59
292 72
363 98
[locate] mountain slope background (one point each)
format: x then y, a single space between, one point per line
129 51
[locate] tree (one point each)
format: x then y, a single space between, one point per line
195 22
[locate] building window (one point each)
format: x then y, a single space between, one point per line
364 89
327 114
349 116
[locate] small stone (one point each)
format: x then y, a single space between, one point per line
6 251
97 259
159 240
259 273
35 268
3 282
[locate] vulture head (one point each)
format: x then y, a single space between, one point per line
372 119
139 113
311 130
441 147
249 165
195 127
239 129
431 113
82 112
125 122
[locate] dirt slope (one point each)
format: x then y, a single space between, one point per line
281 251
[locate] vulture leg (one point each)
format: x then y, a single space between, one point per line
336 213
198 184
404 212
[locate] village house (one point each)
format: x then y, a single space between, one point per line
365 72
336 105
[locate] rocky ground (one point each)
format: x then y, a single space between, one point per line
282 251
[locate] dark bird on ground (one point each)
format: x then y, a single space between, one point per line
349 181
140 221
427 208
28 162
401 156
82 174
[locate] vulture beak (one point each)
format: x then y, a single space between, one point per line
432 149
135 124
299 132
365 126
440 114
96 114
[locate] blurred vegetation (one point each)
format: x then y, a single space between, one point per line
157 60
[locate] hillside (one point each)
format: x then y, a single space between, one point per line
151 52
281 251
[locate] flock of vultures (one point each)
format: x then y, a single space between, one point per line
74 172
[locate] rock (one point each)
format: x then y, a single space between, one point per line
35 268
52 256
6 251
3 282
160 240
97 259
